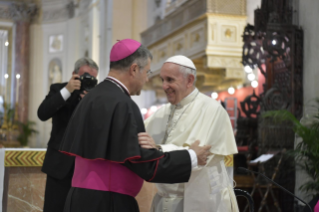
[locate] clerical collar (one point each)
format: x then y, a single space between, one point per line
119 83
189 98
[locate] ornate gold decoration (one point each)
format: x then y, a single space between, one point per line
9 131
229 161
162 54
196 37
24 158
228 33
179 46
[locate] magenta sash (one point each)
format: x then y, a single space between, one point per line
104 175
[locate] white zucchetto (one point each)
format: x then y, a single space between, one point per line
181 60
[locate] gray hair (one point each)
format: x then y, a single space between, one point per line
140 56
85 61
187 71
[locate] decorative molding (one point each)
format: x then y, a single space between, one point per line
23 12
229 33
223 62
55 14
18 11
161 54
237 7
158 3
182 16
5 12
16 158
235 73
84 6
71 8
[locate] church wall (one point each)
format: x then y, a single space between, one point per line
122 20
80 38
139 18
306 16
252 5
308 20
41 57
36 95
49 55
4 55
129 22
95 31
73 40
10 26
105 37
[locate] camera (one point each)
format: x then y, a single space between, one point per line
87 82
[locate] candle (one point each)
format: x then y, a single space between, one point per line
17 92
5 87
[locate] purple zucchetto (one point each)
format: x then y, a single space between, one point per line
123 49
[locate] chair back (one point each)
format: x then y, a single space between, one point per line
239 192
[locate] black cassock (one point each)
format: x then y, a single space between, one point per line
105 125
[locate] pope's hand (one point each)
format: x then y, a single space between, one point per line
74 83
146 141
201 152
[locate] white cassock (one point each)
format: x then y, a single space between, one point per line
210 188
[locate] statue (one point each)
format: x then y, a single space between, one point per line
55 75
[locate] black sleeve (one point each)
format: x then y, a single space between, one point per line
171 167
51 104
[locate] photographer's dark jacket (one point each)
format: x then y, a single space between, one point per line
56 164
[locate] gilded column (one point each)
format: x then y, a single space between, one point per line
22 14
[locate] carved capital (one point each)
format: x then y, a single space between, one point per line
23 12
55 14
71 8
5 12
223 62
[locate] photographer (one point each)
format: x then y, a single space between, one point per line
59 105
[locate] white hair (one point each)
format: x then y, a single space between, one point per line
187 71
84 61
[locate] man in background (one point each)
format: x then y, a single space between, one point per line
59 105
189 116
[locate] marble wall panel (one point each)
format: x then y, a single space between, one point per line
26 189
26 186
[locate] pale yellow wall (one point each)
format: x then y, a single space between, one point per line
129 19
36 91
122 17
139 21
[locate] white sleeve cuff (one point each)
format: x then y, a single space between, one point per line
65 93
193 156
171 147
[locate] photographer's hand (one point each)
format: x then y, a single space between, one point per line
83 94
74 83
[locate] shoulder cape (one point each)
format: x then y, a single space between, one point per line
105 125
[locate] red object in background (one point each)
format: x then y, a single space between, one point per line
151 110
243 92
261 81
240 95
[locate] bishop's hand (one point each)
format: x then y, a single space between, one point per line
202 152
146 141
